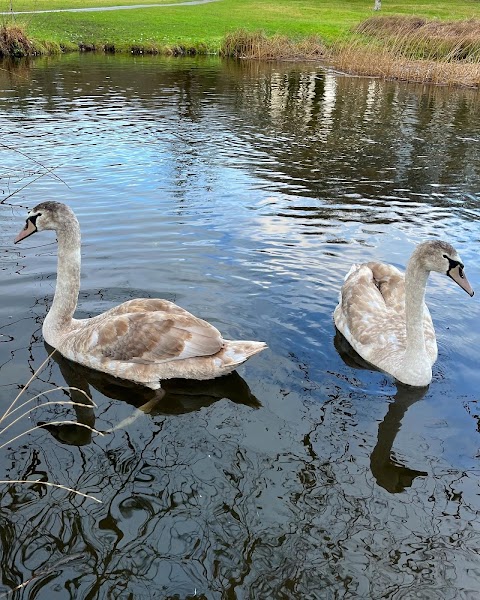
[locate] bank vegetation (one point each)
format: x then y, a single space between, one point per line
392 47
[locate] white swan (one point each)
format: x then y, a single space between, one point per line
143 340
383 314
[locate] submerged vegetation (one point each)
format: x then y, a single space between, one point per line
394 45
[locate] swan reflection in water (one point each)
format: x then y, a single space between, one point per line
177 396
387 471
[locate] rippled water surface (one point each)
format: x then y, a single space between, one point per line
243 192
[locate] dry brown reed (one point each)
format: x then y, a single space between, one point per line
451 41
375 62
14 407
256 45
14 41
413 49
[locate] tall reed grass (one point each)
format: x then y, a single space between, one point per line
415 38
413 49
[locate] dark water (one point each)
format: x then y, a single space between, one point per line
243 192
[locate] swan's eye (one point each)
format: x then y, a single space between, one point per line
33 219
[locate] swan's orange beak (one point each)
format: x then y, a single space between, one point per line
458 276
26 231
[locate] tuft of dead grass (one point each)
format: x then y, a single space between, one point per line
256 45
14 42
392 25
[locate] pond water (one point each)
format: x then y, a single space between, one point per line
243 192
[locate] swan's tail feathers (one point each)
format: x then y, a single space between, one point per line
236 353
240 351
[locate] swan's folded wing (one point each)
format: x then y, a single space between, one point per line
142 305
154 337
363 315
391 284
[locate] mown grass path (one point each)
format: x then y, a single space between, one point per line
104 8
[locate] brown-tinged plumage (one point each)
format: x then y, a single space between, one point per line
143 340
383 315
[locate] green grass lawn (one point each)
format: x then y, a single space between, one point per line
206 25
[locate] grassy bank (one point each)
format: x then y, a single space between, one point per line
206 25
202 26
288 29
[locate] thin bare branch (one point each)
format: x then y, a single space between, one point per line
50 171
23 187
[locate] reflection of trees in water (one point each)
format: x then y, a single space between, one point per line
366 149
327 135
366 127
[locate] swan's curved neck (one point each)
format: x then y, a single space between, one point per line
68 278
415 283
